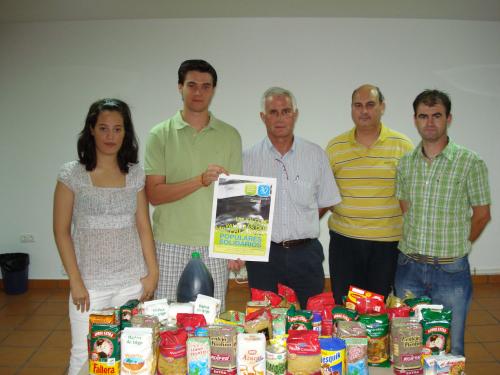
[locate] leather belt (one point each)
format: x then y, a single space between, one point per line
427 259
292 243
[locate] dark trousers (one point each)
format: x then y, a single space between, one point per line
299 267
369 265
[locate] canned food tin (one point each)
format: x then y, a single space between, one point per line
316 322
332 355
275 360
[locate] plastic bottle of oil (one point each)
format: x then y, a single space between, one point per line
195 279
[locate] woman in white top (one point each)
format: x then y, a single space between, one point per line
101 221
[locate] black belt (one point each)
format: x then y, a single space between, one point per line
431 260
291 243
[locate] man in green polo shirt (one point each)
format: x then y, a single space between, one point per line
184 156
445 197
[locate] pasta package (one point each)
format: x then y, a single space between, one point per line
377 329
172 352
304 353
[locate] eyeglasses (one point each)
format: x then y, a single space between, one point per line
283 166
285 171
285 113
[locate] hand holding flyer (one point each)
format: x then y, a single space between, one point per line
242 214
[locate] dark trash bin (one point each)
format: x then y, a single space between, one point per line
15 272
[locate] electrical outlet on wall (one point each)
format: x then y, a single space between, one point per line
26 238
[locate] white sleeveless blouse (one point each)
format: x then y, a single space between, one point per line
105 237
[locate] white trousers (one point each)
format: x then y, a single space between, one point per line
99 299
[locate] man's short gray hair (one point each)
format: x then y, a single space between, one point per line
277 91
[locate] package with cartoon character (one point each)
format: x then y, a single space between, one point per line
104 349
436 330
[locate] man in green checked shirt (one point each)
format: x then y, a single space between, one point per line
445 197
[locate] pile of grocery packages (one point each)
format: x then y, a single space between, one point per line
274 336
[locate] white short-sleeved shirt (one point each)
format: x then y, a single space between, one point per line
105 237
305 183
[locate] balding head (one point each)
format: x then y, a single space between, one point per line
369 87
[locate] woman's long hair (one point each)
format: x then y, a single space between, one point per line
86 142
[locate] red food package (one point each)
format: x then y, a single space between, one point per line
355 293
370 305
263 312
304 353
288 294
190 321
398 312
303 342
266 295
323 303
172 352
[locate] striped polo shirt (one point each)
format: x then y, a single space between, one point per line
366 179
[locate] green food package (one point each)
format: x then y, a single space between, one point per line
436 330
341 313
377 329
127 310
414 302
298 319
104 350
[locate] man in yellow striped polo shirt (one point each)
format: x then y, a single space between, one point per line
366 226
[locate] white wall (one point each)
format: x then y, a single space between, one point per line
51 72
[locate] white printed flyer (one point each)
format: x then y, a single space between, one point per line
242 217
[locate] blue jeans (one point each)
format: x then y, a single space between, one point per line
449 285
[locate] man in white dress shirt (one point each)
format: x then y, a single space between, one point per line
306 189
